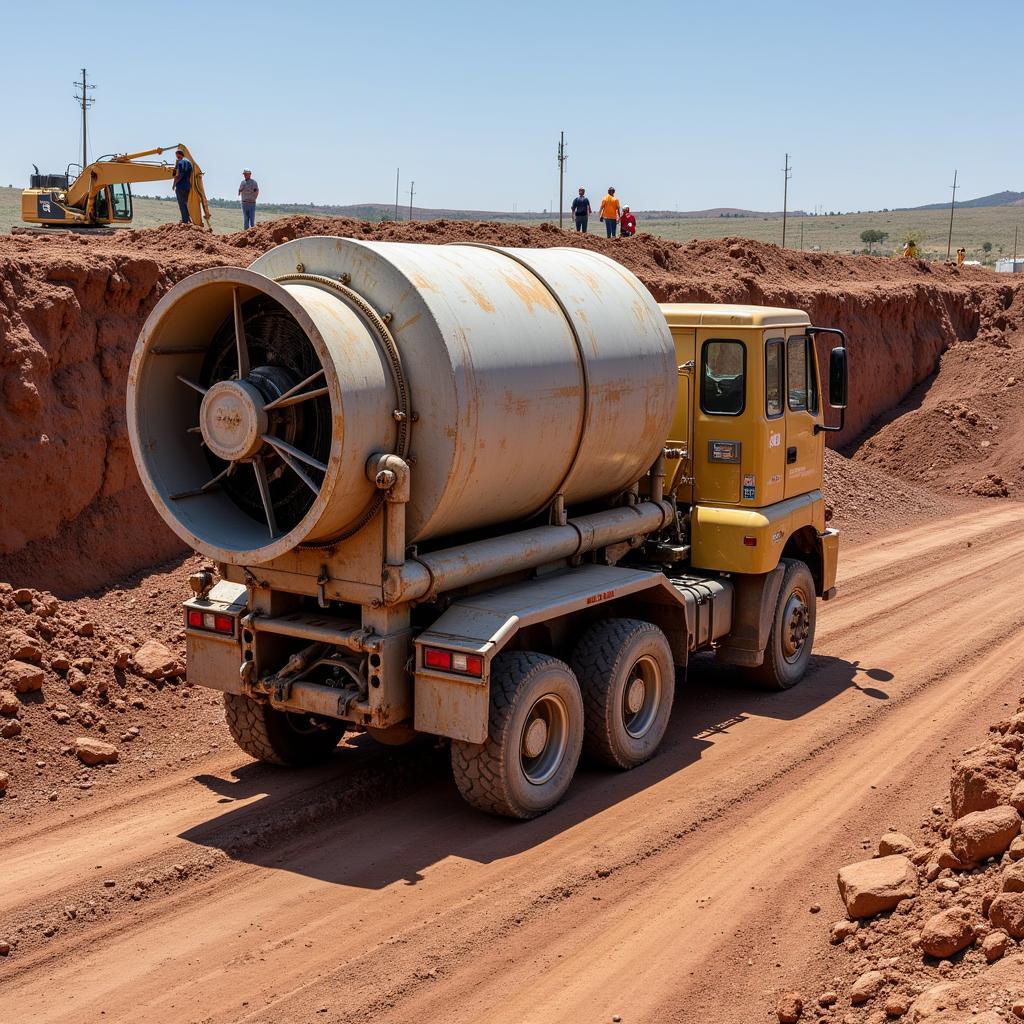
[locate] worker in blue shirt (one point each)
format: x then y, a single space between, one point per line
581 210
182 183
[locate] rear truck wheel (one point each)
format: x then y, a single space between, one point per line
526 763
627 679
792 634
280 737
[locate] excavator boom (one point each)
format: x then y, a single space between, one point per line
101 194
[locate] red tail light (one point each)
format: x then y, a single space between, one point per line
212 622
453 661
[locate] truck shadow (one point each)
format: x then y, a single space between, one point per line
382 815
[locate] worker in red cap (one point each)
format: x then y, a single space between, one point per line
627 223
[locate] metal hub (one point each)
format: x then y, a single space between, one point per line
232 420
796 625
641 697
635 695
545 739
535 738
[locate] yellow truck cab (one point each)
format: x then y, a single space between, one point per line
749 435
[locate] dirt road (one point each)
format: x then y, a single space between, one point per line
677 892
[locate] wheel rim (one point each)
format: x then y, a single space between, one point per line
641 697
302 724
544 740
796 625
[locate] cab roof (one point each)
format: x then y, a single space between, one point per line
703 314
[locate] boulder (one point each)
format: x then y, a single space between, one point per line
155 661
945 858
869 887
10 729
21 677
939 999
92 752
22 647
1013 877
5 781
982 834
994 945
982 779
1017 797
1007 913
947 932
866 987
789 1008
1016 849
895 842
10 706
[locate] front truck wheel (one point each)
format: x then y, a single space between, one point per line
627 679
535 733
279 737
788 650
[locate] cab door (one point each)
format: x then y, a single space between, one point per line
720 431
804 446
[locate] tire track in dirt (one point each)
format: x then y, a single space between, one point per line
645 894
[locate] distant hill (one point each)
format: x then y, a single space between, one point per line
996 199
380 211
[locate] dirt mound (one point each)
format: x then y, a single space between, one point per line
71 308
944 945
93 691
867 501
962 431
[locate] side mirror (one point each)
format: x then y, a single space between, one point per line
837 378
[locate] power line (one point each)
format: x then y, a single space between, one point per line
787 173
85 101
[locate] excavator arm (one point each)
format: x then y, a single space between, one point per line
133 167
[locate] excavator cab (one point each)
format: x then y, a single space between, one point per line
113 204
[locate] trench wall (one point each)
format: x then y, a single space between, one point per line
74 515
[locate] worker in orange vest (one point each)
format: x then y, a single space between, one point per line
610 212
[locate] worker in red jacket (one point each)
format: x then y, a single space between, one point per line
627 223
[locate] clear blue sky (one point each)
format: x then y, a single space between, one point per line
680 105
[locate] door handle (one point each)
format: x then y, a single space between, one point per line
791 455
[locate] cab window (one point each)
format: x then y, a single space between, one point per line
800 379
774 363
122 202
723 378
100 208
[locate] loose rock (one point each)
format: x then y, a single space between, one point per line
22 677
983 834
22 647
866 987
994 945
981 779
870 887
155 661
10 706
92 752
947 932
895 842
5 781
789 1008
1007 913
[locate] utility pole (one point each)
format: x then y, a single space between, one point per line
398 170
561 176
1015 244
412 192
86 102
949 244
801 234
787 173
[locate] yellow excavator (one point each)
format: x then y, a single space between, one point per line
101 195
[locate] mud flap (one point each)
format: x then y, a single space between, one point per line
753 610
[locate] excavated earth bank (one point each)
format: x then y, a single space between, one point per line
74 514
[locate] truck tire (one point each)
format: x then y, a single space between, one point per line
788 650
279 737
627 679
535 733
